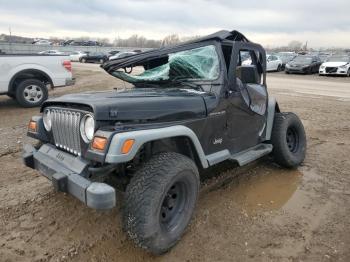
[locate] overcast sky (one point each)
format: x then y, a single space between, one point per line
271 22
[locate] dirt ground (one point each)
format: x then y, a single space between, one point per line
256 213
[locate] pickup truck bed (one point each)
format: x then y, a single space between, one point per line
26 77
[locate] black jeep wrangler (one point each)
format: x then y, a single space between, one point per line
192 106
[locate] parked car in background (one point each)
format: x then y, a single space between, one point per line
324 56
27 78
94 57
273 62
286 57
73 43
303 64
113 52
51 52
122 55
42 42
336 65
76 55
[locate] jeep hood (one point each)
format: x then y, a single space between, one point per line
139 104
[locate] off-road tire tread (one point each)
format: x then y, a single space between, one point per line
281 153
141 190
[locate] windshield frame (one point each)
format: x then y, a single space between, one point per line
178 79
132 61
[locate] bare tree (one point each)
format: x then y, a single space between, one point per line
171 40
295 45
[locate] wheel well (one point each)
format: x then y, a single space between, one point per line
29 74
181 144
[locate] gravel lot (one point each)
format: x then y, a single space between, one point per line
256 213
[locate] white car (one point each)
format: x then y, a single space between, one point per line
76 55
121 55
336 65
42 42
51 52
273 63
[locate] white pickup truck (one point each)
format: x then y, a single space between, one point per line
27 78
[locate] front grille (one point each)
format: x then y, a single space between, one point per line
331 69
65 129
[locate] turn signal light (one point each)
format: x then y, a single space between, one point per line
32 126
127 146
99 143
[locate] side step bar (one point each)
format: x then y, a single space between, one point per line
251 154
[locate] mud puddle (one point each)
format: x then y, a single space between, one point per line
266 190
269 191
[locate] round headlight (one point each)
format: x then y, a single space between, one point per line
47 119
87 128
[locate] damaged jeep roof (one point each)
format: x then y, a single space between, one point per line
137 59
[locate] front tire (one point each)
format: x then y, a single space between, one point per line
288 140
31 93
160 200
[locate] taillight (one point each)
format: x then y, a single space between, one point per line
67 65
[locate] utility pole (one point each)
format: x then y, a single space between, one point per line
10 39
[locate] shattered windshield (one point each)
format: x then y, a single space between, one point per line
194 64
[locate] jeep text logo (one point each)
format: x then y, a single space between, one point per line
217 141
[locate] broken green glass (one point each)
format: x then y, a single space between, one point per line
199 63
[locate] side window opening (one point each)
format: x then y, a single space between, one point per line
227 51
249 68
249 77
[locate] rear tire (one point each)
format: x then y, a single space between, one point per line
288 140
83 60
279 68
160 200
102 61
31 93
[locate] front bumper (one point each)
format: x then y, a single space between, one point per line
339 71
296 70
68 174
